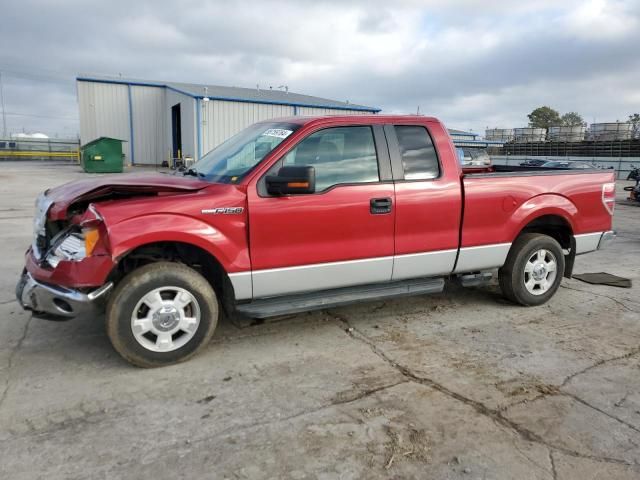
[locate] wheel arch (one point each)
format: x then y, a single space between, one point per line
230 250
183 252
557 226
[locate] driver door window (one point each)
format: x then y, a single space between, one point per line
342 155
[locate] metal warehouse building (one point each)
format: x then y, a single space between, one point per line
164 120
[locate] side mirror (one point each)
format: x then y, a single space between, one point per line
290 180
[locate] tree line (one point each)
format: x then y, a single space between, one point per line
545 117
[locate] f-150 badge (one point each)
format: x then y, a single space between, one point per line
223 210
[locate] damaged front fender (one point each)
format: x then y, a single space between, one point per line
155 228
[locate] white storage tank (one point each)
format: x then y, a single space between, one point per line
574 133
610 131
529 134
499 134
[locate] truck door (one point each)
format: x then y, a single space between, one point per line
428 204
339 236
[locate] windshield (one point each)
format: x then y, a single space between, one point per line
237 156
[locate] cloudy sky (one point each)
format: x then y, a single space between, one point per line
472 63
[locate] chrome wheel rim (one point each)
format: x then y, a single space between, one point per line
540 272
165 319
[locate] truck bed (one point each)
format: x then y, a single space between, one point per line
500 200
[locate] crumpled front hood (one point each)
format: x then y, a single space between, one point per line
117 186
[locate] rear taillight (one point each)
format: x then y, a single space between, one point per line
609 196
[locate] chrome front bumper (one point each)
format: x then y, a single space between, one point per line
54 302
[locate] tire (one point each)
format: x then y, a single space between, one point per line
160 314
526 277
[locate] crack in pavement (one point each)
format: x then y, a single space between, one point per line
599 363
493 414
509 406
597 409
627 308
336 403
567 380
379 307
552 460
10 361
533 462
360 396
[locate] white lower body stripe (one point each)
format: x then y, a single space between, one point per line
242 286
324 276
482 257
587 242
428 264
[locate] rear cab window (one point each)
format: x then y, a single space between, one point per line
417 152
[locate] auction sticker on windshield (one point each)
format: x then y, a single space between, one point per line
277 132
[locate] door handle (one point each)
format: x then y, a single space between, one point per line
380 206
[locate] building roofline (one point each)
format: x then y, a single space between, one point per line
227 99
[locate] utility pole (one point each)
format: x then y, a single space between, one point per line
4 115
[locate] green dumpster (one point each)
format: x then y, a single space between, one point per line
103 155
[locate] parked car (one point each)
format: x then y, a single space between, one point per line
534 162
568 164
298 214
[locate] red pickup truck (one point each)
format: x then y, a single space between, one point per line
302 213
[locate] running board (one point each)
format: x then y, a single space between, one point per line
474 279
270 307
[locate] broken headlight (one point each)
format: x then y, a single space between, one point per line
73 246
78 241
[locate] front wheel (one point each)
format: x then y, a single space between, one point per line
533 270
160 314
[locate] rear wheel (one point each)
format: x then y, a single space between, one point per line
533 270
161 313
